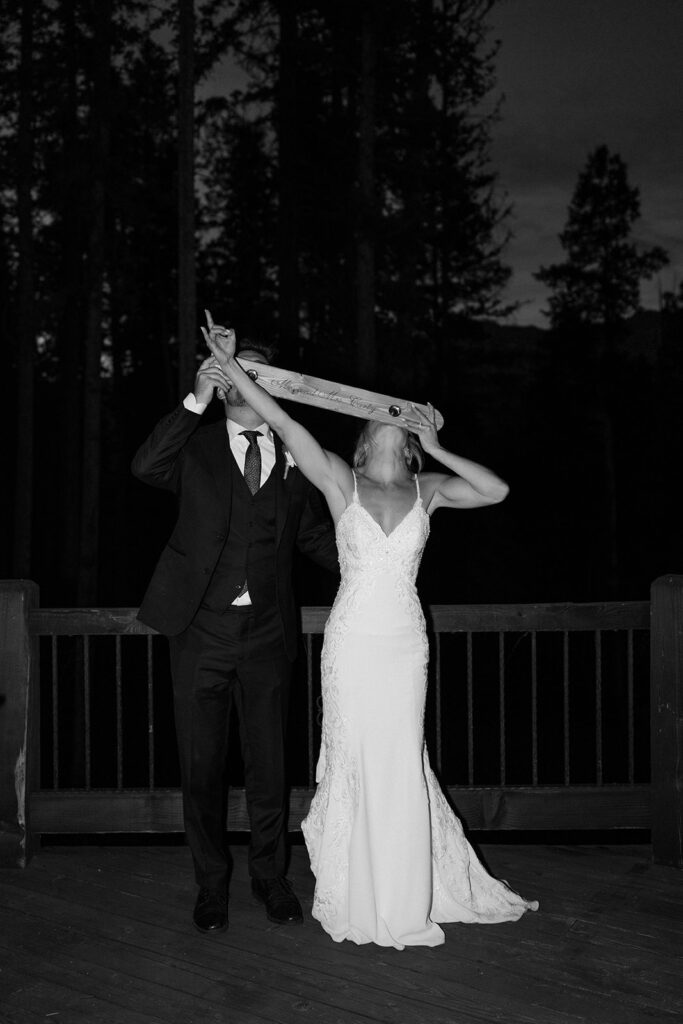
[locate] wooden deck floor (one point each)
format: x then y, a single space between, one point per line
99 934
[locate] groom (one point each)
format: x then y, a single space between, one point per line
222 593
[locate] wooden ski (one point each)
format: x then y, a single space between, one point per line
367 405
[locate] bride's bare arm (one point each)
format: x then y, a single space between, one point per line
324 469
469 484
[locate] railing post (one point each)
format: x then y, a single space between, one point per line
666 696
19 756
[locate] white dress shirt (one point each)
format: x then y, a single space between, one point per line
238 445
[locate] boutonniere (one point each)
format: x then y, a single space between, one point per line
289 462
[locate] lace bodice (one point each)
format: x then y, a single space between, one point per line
364 547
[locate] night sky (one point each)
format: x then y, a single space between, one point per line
575 74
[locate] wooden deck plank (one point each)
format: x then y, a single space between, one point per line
34 998
84 971
247 970
117 920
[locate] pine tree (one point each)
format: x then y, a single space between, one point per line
386 200
593 292
444 217
599 281
26 340
187 304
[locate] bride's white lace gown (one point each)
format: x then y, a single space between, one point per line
389 855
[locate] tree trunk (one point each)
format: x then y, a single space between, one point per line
414 241
366 340
187 297
607 370
92 379
23 508
288 255
70 325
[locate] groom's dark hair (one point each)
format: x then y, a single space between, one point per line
255 345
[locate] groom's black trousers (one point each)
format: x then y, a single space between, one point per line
225 661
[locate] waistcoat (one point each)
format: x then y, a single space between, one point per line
249 551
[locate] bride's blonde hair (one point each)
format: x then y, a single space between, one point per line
413 454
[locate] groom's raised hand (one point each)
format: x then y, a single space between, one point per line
210 377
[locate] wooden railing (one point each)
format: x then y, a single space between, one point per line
548 716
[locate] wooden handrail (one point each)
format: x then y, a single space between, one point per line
22 623
444 618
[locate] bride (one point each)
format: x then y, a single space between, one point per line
390 857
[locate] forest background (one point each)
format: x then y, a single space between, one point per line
339 199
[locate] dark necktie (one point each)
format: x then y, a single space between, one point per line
252 461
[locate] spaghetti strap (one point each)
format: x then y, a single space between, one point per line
355 486
417 485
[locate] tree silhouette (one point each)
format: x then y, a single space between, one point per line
593 292
366 198
187 305
377 119
26 346
599 282
345 200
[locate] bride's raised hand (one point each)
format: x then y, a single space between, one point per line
426 430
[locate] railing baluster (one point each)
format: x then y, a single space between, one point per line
119 714
534 712
86 710
150 712
538 753
470 712
55 714
598 707
309 685
501 705
565 706
437 644
629 687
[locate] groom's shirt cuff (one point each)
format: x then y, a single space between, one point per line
192 405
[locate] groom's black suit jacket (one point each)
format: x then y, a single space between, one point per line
194 462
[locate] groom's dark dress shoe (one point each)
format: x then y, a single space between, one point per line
210 912
282 906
